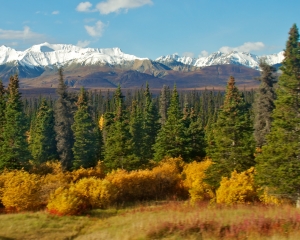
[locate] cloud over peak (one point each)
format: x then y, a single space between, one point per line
96 30
246 47
26 34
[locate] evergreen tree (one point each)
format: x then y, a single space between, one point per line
136 129
264 103
118 142
231 143
42 143
279 164
196 136
85 145
151 125
171 139
2 109
63 122
164 104
14 147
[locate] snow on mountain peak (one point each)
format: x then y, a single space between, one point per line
47 54
219 58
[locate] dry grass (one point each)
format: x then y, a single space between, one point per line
169 220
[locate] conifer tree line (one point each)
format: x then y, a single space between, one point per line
127 129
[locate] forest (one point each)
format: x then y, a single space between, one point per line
93 149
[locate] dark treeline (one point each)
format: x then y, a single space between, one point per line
133 125
129 129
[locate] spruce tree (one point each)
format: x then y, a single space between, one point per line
42 143
171 140
151 125
278 166
84 129
14 152
231 142
118 141
196 136
264 103
164 104
2 109
136 129
63 122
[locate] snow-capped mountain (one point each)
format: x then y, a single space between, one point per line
46 54
219 58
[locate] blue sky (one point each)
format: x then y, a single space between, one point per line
151 28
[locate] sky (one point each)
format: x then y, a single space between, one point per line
151 28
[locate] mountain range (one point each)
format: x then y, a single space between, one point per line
106 68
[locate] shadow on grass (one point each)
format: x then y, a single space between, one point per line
103 214
5 238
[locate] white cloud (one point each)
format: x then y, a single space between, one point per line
83 43
55 12
188 54
26 34
246 47
84 7
203 53
12 44
97 30
110 6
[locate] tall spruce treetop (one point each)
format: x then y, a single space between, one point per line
172 140
118 141
264 103
42 135
279 164
14 148
85 146
63 123
2 108
230 143
151 125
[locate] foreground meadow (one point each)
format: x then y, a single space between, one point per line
159 220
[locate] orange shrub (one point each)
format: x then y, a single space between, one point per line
21 191
239 188
87 193
194 174
163 181
52 178
96 192
66 201
97 171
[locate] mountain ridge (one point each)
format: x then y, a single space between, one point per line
95 67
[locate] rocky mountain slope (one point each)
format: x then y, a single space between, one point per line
95 67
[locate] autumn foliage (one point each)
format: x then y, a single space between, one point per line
72 193
239 188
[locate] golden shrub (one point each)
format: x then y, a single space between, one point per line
66 201
21 191
194 174
270 199
163 181
53 177
87 193
96 192
97 171
239 188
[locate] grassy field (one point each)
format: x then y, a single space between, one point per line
164 220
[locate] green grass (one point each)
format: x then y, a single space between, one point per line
168 220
